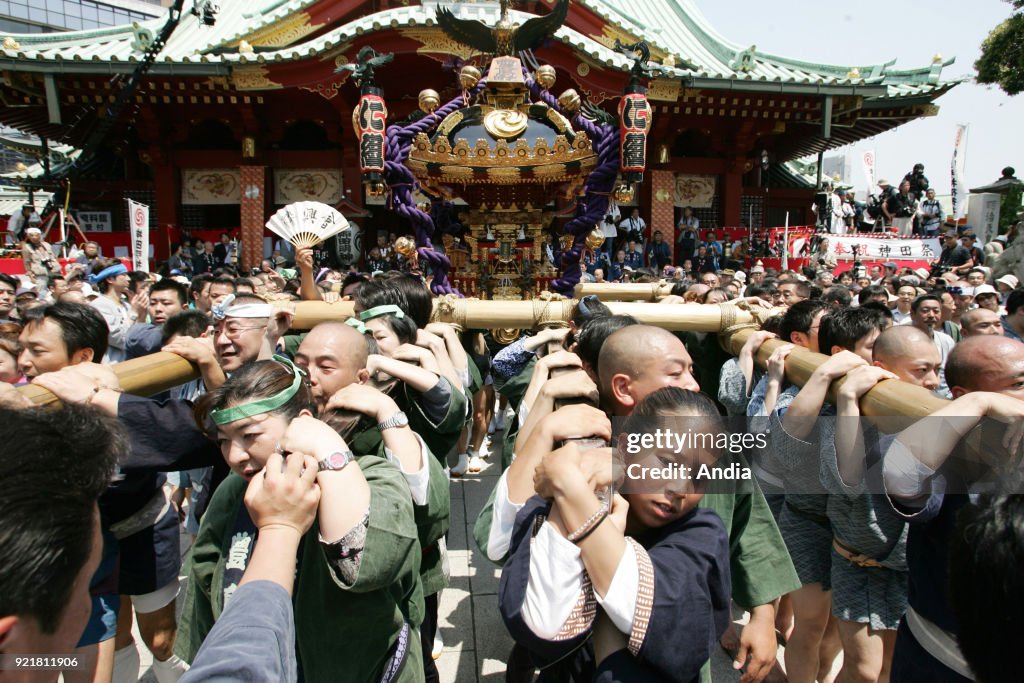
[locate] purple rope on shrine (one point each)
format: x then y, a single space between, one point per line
402 182
540 93
591 209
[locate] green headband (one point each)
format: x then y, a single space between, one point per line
263 405
378 311
357 325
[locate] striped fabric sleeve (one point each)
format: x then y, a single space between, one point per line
644 598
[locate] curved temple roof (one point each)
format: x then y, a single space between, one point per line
282 30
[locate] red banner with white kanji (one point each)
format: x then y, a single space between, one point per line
871 248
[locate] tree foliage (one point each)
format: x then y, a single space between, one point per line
1002 54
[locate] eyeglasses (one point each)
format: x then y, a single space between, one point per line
235 331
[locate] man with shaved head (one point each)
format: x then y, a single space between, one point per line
910 354
335 356
638 360
695 292
929 471
980 322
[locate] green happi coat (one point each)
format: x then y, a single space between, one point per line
514 389
761 568
343 632
441 437
432 519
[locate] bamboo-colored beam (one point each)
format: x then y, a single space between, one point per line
140 376
160 371
889 397
631 291
486 314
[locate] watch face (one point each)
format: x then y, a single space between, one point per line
336 460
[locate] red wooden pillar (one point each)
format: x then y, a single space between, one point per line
663 185
165 187
253 214
732 194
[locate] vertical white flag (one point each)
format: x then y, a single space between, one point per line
138 222
957 187
869 170
785 244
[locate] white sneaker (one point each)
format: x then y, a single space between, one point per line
438 648
476 464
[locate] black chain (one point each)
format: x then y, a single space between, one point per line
109 116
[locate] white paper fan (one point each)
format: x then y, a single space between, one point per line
307 224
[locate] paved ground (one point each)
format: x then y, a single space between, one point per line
475 641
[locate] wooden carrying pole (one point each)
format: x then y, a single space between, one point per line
475 314
143 376
889 397
160 371
610 291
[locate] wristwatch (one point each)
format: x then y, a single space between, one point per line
399 419
335 462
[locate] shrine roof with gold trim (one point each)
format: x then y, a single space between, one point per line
293 30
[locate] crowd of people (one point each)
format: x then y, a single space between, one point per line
909 210
310 476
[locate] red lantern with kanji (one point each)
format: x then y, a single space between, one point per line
369 119
634 124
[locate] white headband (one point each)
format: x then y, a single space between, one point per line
250 311
225 310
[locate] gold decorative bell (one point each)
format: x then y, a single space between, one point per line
545 76
624 193
469 76
569 101
405 246
429 100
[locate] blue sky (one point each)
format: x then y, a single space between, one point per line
876 31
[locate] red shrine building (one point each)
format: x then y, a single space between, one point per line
243 109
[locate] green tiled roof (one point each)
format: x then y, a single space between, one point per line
13 198
672 26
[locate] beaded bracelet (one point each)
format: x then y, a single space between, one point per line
590 525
